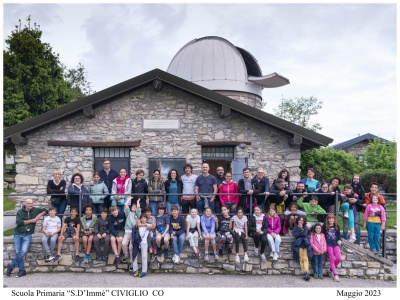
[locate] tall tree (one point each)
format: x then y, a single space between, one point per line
34 80
299 111
380 155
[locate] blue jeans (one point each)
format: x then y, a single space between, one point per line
356 226
318 264
154 207
97 207
21 244
201 205
229 206
374 235
177 243
61 207
217 206
169 206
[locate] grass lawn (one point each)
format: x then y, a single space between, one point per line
7 203
9 232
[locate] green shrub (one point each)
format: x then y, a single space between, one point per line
386 178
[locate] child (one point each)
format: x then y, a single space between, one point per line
97 186
71 228
331 230
273 237
318 245
224 234
208 227
51 227
131 215
162 229
374 223
151 237
178 233
116 222
349 198
193 231
240 230
102 233
291 216
87 231
301 246
258 231
143 233
312 209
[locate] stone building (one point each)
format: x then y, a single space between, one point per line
357 145
206 107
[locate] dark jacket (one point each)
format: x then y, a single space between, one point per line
180 188
301 241
252 225
108 178
177 225
141 188
263 186
101 226
74 194
116 223
23 215
359 190
279 199
325 200
54 190
157 190
242 190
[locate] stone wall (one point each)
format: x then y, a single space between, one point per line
357 149
121 119
356 261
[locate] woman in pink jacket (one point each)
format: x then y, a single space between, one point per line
229 186
318 244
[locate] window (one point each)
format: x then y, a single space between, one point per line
119 158
226 153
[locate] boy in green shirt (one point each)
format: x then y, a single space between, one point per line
312 209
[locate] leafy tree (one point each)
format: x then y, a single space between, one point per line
34 80
329 163
299 111
380 155
77 82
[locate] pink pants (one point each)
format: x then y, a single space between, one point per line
334 257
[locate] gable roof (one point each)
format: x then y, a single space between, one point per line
310 139
366 137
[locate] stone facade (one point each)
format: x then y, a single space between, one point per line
356 261
121 119
357 149
246 98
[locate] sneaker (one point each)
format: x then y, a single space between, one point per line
275 256
206 257
229 251
316 276
105 258
21 273
159 253
48 258
256 251
136 274
346 214
290 232
116 261
306 277
263 258
98 258
9 270
142 274
321 276
152 258
89 258
86 259
76 258
352 238
336 278
177 259
220 252
174 258
330 274
216 256
130 267
237 259
165 254
124 259
57 257
272 254
246 258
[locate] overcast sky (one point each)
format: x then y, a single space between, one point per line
342 54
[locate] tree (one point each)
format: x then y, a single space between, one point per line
34 80
329 163
299 111
380 155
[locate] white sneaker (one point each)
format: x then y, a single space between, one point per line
174 258
256 251
272 254
346 214
246 258
352 238
177 259
336 278
263 258
237 259
275 257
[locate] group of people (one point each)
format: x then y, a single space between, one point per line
117 213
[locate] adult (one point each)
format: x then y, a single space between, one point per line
230 201
121 190
173 187
284 174
156 191
107 175
56 189
248 189
263 185
140 188
359 190
311 183
78 193
325 200
220 179
280 194
334 189
205 189
188 191
26 220
301 191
